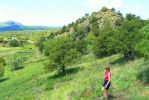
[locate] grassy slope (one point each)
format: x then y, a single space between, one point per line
84 80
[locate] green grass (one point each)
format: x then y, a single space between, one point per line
83 80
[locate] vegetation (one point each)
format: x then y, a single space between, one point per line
61 51
68 64
143 75
2 64
15 62
14 43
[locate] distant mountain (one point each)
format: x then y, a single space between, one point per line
16 26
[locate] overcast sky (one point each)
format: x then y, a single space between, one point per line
62 12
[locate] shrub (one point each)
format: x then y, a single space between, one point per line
14 43
143 75
40 44
16 62
104 9
2 64
143 48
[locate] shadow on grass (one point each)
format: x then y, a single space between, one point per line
67 72
3 79
54 81
120 61
111 97
19 68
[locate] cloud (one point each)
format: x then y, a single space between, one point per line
96 4
7 13
133 9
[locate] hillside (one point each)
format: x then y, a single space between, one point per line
69 64
15 26
83 80
95 20
145 29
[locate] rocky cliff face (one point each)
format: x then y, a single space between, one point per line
96 21
113 17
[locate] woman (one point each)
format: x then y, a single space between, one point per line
106 84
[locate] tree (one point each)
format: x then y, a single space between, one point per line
14 43
2 64
128 36
113 9
61 51
104 45
40 44
80 32
86 15
81 46
119 13
94 25
104 9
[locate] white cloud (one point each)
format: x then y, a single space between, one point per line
131 9
96 4
120 5
7 13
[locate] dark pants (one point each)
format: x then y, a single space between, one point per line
105 83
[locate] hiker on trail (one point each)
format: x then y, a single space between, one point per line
106 84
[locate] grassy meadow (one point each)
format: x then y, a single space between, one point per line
83 79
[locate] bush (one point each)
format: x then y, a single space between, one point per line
40 44
14 43
104 9
2 64
143 75
16 62
143 48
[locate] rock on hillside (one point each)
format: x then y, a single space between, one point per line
112 16
96 18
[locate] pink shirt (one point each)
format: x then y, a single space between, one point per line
107 75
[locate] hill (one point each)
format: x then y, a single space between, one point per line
62 64
83 80
16 26
95 22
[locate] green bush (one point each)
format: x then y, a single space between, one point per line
14 43
143 75
40 44
2 64
104 9
16 62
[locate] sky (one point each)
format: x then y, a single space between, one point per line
62 12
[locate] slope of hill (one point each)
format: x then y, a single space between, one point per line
15 26
96 20
83 80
